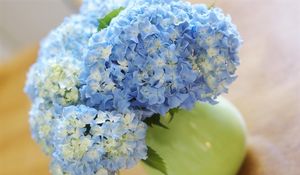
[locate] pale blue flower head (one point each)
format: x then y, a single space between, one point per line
55 80
70 38
55 75
87 140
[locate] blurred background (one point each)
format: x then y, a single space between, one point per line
266 92
23 22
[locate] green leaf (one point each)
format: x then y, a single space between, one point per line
155 161
155 120
172 112
104 22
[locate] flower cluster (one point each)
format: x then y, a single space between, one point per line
87 139
160 55
91 90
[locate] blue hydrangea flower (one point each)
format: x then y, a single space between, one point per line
55 80
92 89
87 140
159 55
69 39
54 76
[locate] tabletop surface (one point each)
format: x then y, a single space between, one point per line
266 92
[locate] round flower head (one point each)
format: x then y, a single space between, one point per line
69 39
55 75
56 80
158 55
87 140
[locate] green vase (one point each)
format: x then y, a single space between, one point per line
208 140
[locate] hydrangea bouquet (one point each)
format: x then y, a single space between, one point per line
106 74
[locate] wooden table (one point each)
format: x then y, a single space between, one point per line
266 92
